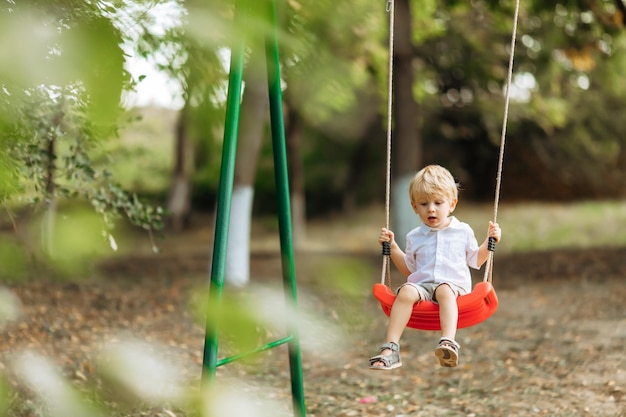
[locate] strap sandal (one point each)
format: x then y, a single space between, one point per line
391 361
448 352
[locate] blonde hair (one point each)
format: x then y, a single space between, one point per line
433 181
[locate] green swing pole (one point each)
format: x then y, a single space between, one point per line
284 209
218 267
224 199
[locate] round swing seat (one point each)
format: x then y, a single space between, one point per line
474 307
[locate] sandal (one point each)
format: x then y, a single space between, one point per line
448 352
391 361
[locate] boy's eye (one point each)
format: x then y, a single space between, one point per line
436 202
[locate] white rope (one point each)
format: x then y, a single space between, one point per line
489 266
385 276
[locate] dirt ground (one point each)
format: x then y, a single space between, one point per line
555 347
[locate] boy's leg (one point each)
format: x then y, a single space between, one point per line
401 312
448 310
448 349
399 317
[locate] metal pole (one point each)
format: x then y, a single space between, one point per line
284 209
224 199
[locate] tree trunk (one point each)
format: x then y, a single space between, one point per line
359 163
254 110
179 201
296 178
406 156
51 204
48 224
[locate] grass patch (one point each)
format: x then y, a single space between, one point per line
525 226
542 226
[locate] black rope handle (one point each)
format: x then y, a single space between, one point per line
386 248
386 274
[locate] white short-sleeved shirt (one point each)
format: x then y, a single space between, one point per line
442 255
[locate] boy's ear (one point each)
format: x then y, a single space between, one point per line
453 205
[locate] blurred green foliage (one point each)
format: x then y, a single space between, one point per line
62 72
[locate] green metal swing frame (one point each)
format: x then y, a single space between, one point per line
210 359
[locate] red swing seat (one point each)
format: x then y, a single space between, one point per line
474 307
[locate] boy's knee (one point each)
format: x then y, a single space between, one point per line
408 293
444 292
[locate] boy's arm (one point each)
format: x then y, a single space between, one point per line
397 256
483 253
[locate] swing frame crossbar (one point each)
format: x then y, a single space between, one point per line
218 267
260 349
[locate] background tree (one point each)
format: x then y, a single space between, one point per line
406 142
61 91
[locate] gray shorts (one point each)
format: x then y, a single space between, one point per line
427 290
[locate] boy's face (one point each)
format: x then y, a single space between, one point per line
434 211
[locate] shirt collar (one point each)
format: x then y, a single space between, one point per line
424 230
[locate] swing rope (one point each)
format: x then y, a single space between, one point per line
386 273
496 201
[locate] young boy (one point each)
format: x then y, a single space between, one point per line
438 253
